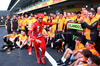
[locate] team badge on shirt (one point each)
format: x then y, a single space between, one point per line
38 26
42 25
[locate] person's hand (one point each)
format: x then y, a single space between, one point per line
11 29
58 40
81 20
38 41
17 29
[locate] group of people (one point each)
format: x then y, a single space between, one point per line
40 30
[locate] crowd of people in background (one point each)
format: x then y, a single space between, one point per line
80 50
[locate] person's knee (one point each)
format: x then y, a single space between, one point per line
43 49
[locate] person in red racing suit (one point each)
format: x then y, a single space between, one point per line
37 36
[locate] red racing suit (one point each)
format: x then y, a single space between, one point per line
37 28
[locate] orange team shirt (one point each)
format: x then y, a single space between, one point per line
81 46
23 24
23 38
44 32
97 16
11 37
61 22
94 52
45 18
54 26
50 33
84 65
30 22
19 21
87 31
34 20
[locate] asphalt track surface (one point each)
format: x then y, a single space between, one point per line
19 57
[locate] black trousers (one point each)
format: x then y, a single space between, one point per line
9 43
9 31
71 42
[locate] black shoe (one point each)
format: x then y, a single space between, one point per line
3 46
61 63
3 50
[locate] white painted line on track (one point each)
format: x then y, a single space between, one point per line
50 58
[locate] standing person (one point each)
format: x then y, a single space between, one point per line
37 36
19 23
14 24
90 26
8 24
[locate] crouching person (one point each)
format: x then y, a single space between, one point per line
9 41
22 40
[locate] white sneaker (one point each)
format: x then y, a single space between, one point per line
30 53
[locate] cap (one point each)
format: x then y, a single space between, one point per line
40 15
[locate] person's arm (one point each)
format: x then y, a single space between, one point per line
49 23
78 61
11 26
90 26
6 24
31 30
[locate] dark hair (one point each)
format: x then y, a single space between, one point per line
93 12
79 38
95 59
87 53
78 12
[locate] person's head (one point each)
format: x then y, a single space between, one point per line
55 16
23 33
35 16
14 16
91 14
26 16
52 18
14 32
8 16
86 54
78 40
78 14
90 45
92 9
83 9
93 60
58 13
65 13
22 17
61 16
51 14
85 12
19 17
40 17
68 15
73 14
45 14
31 15
98 10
